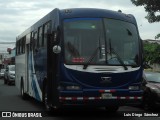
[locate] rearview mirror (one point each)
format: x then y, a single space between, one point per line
146 66
56 49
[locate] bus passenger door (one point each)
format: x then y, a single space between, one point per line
27 58
27 66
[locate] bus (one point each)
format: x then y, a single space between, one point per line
81 56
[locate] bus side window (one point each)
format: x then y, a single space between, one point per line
39 42
31 41
28 39
17 47
23 44
47 29
35 40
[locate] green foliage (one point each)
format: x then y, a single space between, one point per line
158 36
151 52
152 7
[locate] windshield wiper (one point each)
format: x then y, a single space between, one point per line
117 55
91 58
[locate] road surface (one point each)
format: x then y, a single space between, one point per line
10 100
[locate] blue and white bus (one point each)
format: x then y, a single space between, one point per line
81 56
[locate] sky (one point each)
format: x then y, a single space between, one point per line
18 15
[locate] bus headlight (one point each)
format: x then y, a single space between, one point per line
133 88
73 87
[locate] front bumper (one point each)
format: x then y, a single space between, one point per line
94 101
97 98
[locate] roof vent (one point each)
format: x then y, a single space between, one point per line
67 11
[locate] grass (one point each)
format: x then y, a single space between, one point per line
151 70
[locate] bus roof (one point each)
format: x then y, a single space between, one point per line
80 13
94 12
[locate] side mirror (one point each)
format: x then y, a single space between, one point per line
146 66
56 49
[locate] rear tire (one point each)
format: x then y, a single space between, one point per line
23 94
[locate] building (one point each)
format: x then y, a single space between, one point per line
155 66
152 41
7 57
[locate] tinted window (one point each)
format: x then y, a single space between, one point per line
85 38
40 37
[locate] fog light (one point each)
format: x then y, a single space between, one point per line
133 88
73 87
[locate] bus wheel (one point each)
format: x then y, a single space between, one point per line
51 110
23 95
112 108
45 100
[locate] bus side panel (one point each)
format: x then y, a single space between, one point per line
30 73
37 72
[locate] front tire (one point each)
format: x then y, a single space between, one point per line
45 100
48 107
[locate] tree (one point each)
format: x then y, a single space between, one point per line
152 7
151 52
157 36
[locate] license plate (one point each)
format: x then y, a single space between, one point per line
106 96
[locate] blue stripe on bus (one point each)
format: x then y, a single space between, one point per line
33 83
34 87
76 19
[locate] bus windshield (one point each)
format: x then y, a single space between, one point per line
115 42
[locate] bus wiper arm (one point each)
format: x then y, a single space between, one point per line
118 57
91 58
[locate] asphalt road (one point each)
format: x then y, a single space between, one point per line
10 100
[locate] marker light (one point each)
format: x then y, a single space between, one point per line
133 88
73 87
77 60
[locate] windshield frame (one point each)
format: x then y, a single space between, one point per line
106 44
